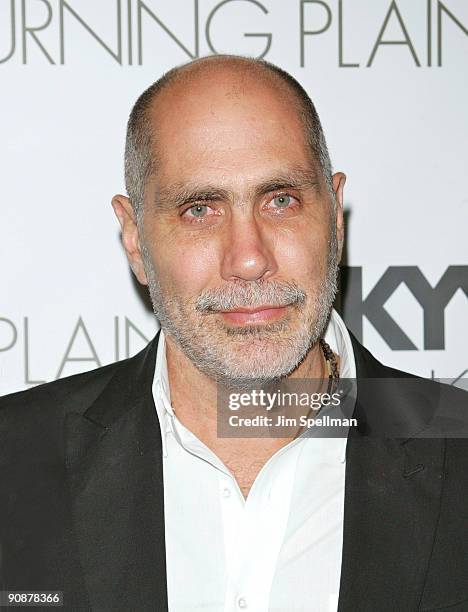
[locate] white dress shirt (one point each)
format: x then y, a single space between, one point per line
279 549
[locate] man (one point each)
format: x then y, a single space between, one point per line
116 488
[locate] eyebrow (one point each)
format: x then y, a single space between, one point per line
181 194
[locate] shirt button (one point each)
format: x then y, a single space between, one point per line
242 603
226 492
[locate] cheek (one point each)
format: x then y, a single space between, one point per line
186 267
302 253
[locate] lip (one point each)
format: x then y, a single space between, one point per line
244 316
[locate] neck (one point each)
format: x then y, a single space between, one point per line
194 401
194 395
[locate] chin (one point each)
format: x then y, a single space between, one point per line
263 363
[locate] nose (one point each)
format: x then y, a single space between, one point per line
248 253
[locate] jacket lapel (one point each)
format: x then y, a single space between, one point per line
114 466
392 495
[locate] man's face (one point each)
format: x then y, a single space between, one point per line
238 237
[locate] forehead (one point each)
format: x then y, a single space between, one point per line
226 124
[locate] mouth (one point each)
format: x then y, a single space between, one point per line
261 314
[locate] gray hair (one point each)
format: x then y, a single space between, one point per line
140 161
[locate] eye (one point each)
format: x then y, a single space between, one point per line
198 211
282 201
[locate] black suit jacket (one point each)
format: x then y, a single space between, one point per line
82 506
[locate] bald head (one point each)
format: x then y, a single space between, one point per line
217 85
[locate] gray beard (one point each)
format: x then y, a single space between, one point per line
221 359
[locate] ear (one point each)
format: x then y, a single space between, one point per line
338 182
130 237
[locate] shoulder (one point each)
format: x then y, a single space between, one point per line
37 416
368 366
438 391
35 424
33 421
64 394
425 407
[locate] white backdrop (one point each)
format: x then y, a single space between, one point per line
390 82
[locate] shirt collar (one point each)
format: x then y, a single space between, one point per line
336 335
162 392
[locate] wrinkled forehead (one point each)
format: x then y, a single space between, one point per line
226 120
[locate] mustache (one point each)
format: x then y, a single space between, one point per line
250 295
